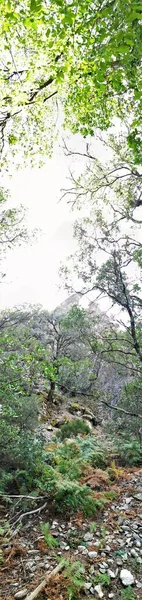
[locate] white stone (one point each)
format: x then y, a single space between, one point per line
21 594
111 595
111 574
88 536
98 589
125 556
92 554
126 577
87 586
134 553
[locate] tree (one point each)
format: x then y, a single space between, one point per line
87 56
109 258
70 346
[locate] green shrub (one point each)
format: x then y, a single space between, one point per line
76 497
130 451
73 428
92 451
71 468
20 450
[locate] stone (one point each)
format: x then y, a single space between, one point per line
30 565
126 577
21 594
125 556
87 585
111 574
99 591
47 566
138 497
82 548
139 585
119 562
102 570
111 595
134 553
107 549
92 554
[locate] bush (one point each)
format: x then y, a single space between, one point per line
76 497
130 451
20 450
73 428
92 451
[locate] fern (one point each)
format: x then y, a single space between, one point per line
50 541
130 451
74 573
128 594
103 579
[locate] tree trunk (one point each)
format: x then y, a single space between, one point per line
51 391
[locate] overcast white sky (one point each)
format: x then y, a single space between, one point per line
32 271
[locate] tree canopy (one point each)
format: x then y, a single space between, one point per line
86 55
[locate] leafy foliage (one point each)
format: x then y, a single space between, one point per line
130 451
86 55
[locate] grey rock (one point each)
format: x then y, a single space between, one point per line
111 574
138 496
125 556
102 570
47 566
99 591
138 544
111 595
91 570
139 585
134 553
30 566
126 577
87 586
119 562
21 594
81 548
92 554
136 537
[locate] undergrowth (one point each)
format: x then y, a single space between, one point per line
127 594
49 539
